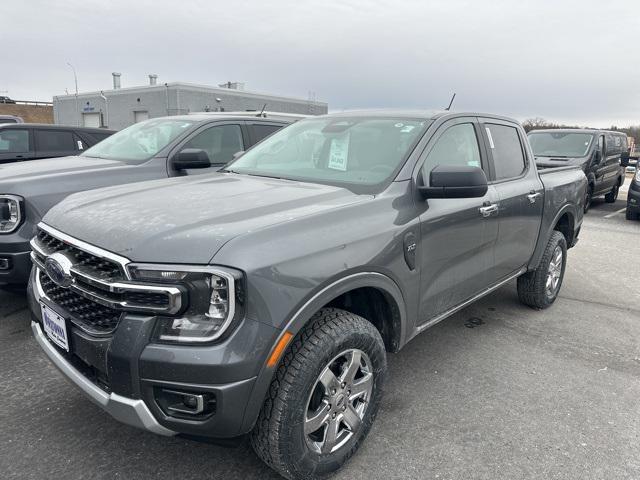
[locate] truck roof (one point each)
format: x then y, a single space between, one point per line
50 126
577 130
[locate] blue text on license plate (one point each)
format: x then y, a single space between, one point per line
55 327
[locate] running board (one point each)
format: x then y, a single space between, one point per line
450 312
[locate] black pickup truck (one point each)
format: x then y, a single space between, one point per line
264 298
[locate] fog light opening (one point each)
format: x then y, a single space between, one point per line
5 263
180 403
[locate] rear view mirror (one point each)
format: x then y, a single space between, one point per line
191 158
237 155
453 181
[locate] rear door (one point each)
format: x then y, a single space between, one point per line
55 143
520 193
16 144
456 246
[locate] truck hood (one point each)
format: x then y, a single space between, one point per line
37 170
187 220
560 161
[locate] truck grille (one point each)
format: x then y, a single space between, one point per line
99 292
88 314
91 264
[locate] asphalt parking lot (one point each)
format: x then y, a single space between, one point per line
498 391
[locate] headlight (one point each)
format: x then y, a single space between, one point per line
214 301
11 216
637 174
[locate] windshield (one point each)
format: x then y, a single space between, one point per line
353 152
139 142
560 144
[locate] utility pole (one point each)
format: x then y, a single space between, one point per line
75 79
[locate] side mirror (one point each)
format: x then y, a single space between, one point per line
452 181
191 158
237 155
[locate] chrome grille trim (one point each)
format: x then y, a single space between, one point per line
104 291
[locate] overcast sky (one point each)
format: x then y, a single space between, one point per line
572 61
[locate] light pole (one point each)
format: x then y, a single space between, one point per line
106 109
75 78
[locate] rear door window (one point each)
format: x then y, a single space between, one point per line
14 140
506 149
260 131
55 141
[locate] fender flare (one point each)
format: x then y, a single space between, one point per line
571 209
311 305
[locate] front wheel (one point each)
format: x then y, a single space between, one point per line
631 215
324 396
540 288
612 196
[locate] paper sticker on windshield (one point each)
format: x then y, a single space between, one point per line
339 153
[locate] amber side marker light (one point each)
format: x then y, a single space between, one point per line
278 349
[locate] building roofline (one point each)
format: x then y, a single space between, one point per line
192 86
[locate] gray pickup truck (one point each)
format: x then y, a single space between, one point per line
158 148
263 299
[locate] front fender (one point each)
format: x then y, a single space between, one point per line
314 302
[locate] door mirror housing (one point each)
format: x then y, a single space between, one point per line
455 181
191 158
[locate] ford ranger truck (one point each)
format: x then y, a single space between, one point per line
157 148
264 299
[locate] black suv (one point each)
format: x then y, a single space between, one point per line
31 141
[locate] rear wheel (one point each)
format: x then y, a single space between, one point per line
588 197
540 288
324 397
612 196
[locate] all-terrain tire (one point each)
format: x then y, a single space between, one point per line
532 286
612 196
630 214
588 198
278 437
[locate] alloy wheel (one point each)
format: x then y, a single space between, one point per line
555 272
338 401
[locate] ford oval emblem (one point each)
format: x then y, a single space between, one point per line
58 268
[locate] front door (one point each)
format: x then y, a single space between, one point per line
220 142
457 241
520 194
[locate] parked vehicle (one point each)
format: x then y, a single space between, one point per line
601 154
157 148
633 197
5 99
10 119
32 141
262 298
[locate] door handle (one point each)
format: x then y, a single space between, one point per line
533 196
489 210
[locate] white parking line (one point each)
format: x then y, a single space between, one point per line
616 213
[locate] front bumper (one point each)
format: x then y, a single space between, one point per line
125 372
633 197
18 262
126 410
